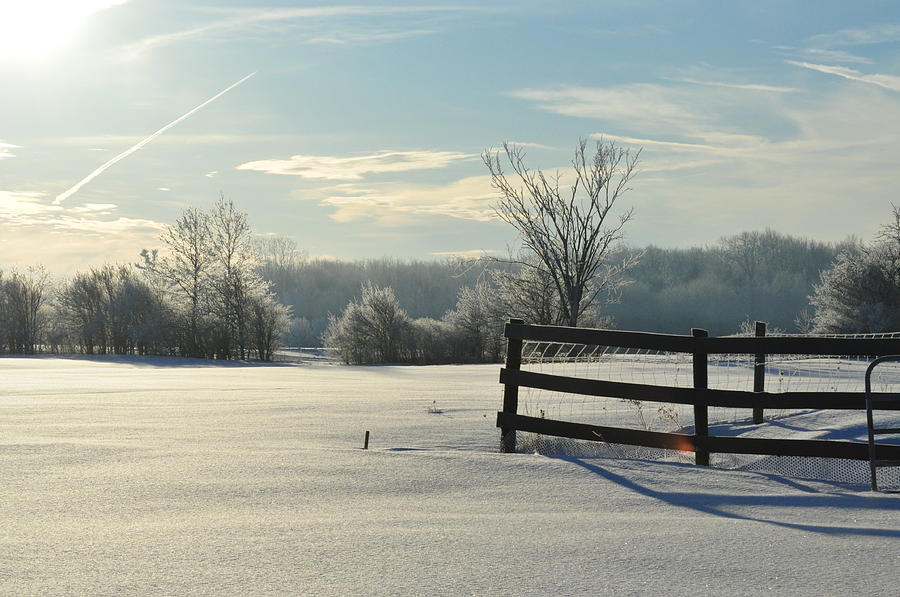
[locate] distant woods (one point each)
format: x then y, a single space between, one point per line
764 276
210 292
437 309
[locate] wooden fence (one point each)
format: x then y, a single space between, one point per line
700 345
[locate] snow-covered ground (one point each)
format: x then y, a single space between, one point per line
127 476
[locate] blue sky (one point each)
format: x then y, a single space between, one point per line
360 132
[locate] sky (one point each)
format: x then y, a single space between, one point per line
357 128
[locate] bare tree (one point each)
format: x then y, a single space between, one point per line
528 293
22 298
269 320
571 231
111 310
235 279
186 269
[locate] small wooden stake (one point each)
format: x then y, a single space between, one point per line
366 445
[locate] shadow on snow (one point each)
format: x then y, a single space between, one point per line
715 504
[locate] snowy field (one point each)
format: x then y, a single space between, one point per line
128 476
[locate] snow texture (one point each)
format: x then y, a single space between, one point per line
128 476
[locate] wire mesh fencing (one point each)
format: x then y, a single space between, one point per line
782 373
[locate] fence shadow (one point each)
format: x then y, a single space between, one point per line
716 504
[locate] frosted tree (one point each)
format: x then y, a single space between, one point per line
268 320
234 278
22 300
478 320
373 330
186 268
110 309
861 292
571 232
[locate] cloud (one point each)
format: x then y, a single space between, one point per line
343 37
828 54
4 150
211 174
66 238
876 34
744 86
94 208
465 253
32 210
398 204
164 189
23 208
713 161
274 19
685 114
531 145
672 145
829 46
353 168
891 82
637 102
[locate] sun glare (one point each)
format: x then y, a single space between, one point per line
34 28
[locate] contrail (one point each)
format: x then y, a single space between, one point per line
63 196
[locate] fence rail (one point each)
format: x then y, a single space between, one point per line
702 344
700 396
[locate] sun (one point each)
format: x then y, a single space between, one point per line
34 28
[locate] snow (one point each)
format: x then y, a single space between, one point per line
128 476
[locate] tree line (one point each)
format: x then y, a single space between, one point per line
203 296
438 311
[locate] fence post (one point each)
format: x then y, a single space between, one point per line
759 372
510 391
701 412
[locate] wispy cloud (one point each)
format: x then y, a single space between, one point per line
532 145
828 54
397 204
705 168
744 86
344 37
465 253
353 168
638 103
273 18
21 208
673 145
27 209
891 82
211 174
109 163
68 237
881 33
5 150
678 113
830 47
